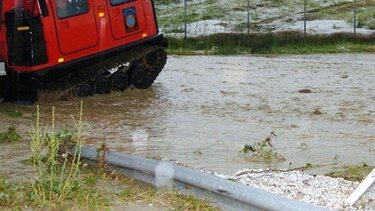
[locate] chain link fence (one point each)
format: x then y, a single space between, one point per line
190 18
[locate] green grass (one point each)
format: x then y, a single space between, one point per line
271 43
171 17
15 114
9 136
344 47
344 11
63 182
92 194
166 2
353 173
21 195
366 17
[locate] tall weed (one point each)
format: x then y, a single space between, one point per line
57 171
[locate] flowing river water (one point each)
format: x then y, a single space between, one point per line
202 110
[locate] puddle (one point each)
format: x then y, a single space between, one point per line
202 110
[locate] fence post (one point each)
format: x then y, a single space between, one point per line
185 19
355 17
248 19
304 16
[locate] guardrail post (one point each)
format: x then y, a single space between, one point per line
355 17
304 16
185 19
248 19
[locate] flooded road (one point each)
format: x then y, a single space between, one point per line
202 110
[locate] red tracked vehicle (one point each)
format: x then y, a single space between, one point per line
80 47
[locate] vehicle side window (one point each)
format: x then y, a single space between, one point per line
69 8
117 2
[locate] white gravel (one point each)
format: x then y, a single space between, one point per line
321 190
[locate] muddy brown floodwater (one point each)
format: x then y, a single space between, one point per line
202 110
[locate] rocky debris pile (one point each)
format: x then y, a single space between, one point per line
321 190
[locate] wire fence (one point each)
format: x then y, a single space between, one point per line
190 18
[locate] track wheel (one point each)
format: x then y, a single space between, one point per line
139 78
119 81
102 85
83 90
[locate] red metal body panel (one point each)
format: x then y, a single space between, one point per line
116 16
102 27
76 33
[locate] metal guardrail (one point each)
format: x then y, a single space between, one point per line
225 194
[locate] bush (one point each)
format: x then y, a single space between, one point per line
10 136
265 43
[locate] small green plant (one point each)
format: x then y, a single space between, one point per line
65 135
309 166
57 173
352 172
4 191
263 151
12 194
15 114
9 136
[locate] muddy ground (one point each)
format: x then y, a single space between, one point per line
202 110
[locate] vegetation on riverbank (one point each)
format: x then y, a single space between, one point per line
272 43
98 190
352 172
213 16
263 151
62 181
9 136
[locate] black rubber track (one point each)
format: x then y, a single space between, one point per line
119 81
83 90
102 85
140 77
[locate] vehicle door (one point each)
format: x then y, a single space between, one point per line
127 17
75 25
